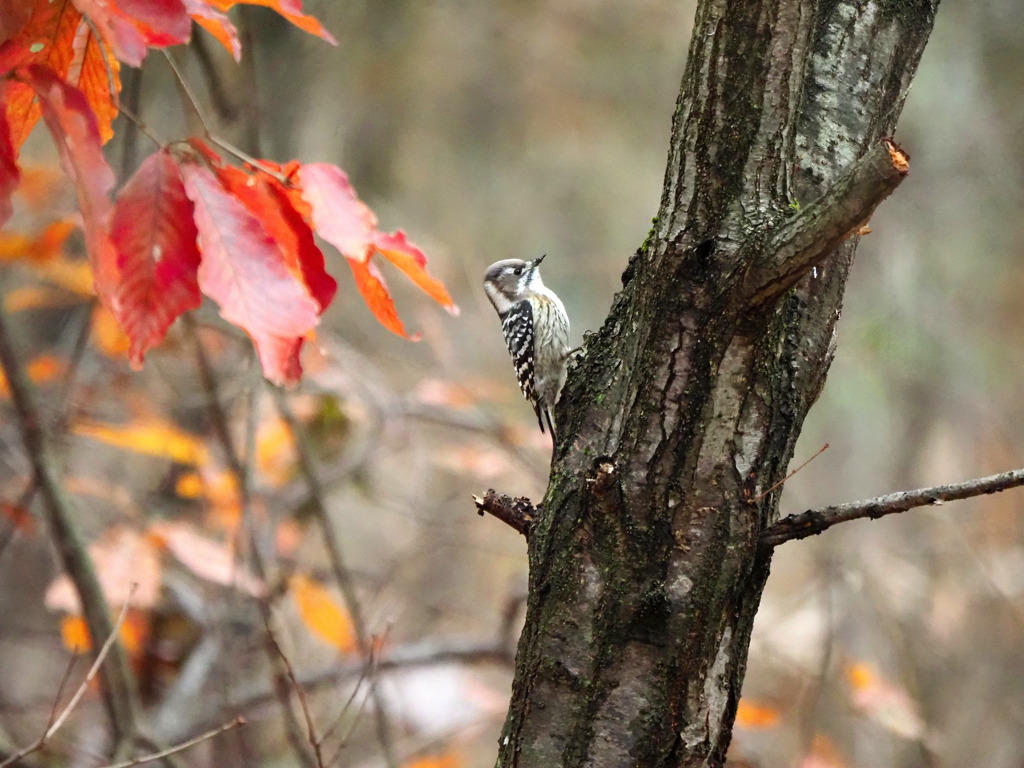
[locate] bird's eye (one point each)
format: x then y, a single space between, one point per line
518 270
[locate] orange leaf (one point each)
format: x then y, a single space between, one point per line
371 286
756 716
217 24
75 634
153 438
446 760
96 73
40 370
157 260
888 705
134 631
57 38
324 617
410 259
48 39
44 368
290 9
243 270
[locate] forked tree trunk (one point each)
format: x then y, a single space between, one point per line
645 567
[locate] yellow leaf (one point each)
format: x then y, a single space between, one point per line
275 452
220 490
47 245
74 633
152 437
324 617
72 275
36 297
189 486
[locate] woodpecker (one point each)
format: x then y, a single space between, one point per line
536 330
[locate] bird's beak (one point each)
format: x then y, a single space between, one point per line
536 262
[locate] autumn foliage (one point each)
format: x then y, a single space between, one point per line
188 223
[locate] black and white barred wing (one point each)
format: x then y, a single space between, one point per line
517 325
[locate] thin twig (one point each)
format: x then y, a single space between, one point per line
411 656
187 90
60 689
245 157
814 521
56 723
783 480
342 574
141 125
369 673
165 753
242 475
314 741
118 686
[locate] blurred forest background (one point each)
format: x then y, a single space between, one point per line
506 130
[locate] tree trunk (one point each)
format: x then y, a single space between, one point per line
645 564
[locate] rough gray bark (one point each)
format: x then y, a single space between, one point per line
645 568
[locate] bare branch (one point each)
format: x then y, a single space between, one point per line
518 513
238 721
342 574
410 656
817 230
119 694
57 722
814 521
314 741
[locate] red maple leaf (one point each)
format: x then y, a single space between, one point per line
14 15
10 175
243 270
274 205
154 235
348 224
73 125
161 22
